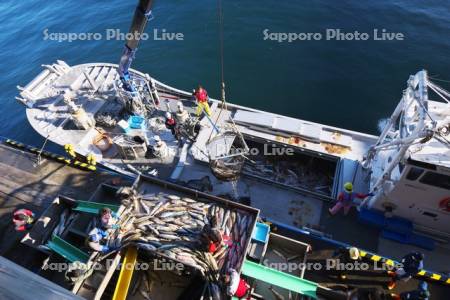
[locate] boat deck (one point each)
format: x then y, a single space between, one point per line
304 135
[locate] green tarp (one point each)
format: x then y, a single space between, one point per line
281 279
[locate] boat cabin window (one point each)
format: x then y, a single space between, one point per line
414 173
436 179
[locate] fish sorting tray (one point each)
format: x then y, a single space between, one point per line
167 221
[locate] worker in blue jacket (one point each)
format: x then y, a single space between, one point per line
98 236
411 264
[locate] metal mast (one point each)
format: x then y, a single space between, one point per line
140 18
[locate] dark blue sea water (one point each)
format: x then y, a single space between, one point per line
350 84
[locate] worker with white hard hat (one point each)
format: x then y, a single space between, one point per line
181 114
160 147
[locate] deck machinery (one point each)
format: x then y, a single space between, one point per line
410 162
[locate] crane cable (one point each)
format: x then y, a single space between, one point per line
221 55
222 76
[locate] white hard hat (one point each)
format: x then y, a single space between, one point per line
354 253
168 115
157 138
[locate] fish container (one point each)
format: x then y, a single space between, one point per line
136 122
261 233
281 250
130 147
240 230
300 170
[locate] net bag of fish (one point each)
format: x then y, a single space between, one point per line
227 155
227 169
179 229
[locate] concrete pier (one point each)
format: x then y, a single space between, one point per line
24 184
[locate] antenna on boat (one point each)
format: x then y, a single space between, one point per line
227 149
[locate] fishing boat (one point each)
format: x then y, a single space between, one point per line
287 168
163 271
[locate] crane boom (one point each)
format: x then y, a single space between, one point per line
140 18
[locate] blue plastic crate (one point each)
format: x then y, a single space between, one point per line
136 122
261 233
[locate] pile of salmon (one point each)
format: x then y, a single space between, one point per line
171 226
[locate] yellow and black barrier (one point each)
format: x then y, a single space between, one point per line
422 274
59 158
